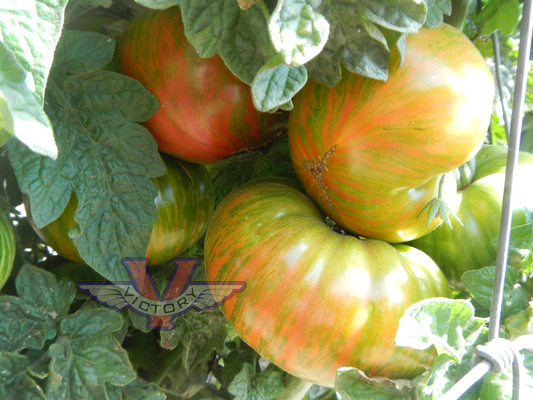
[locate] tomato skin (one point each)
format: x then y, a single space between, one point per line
206 113
315 300
479 206
7 248
393 138
182 208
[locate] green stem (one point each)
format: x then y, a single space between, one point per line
295 388
459 13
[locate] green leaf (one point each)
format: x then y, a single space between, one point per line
480 284
520 323
31 28
449 325
233 172
141 390
76 8
352 384
106 159
21 114
499 15
500 386
22 327
297 31
248 385
87 357
33 317
221 27
42 289
436 11
79 52
275 84
16 382
157 4
355 40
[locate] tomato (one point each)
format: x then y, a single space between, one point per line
182 208
206 113
7 248
315 300
369 152
478 205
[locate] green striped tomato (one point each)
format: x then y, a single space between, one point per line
369 152
7 248
315 300
206 113
182 208
479 206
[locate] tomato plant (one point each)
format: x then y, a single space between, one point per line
315 300
182 207
206 113
7 247
369 152
478 205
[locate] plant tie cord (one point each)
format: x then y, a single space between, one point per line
499 353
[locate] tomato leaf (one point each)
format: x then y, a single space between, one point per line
141 390
353 384
30 319
106 159
436 11
275 85
499 15
82 362
222 27
31 29
449 325
21 114
298 31
356 42
520 323
480 284
237 170
16 379
249 385
76 8
79 52
42 289
158 4
520 246
500 386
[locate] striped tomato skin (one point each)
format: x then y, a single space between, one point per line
7 248
206 113
368 152
183 212
315 300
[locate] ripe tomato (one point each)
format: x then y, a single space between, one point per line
479 206
182 208
369 152
7 248
206 113
315 300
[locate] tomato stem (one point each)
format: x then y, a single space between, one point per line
459 12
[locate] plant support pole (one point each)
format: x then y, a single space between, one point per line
512 161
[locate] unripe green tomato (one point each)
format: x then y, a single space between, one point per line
479 206
182 207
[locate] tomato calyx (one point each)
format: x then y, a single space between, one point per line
438 207
317 168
